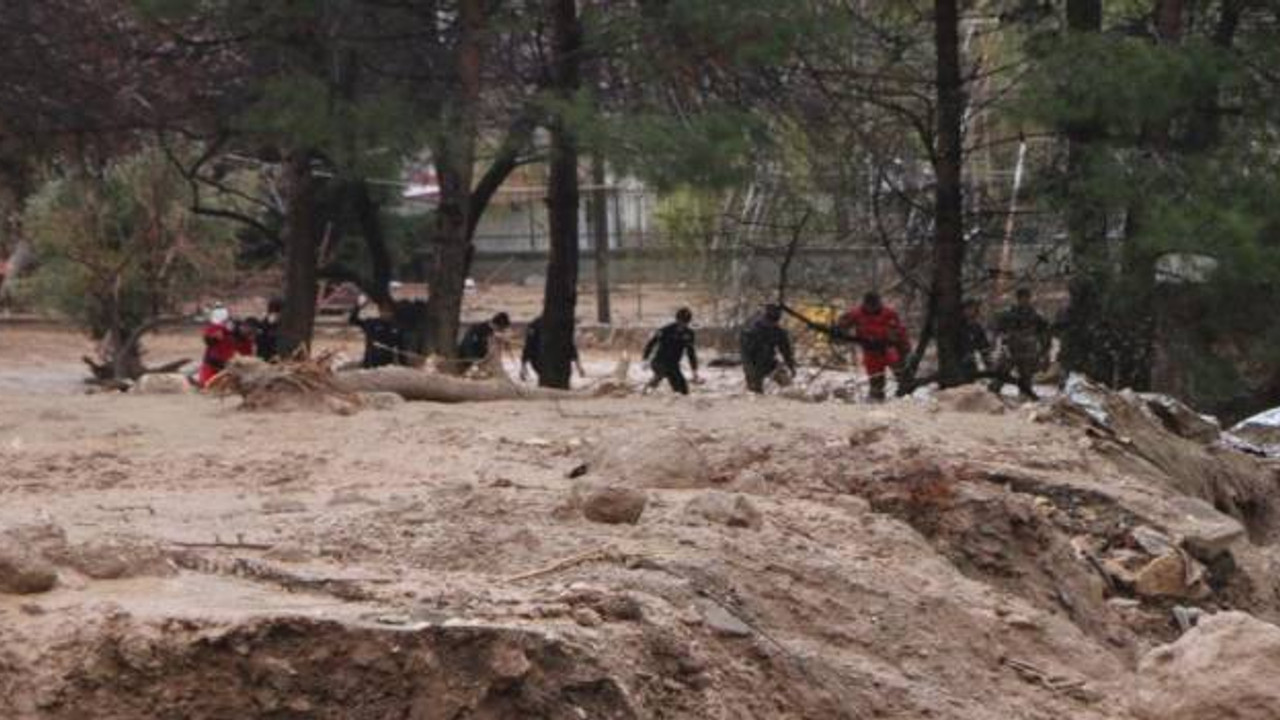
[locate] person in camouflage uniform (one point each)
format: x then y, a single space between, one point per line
1022 336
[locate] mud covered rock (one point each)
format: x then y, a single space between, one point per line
614 505
1225 667
162 384
115 559
665 459
723 622
723 508
1179 419
43 538
23 571
970 399
1171 575
1205 531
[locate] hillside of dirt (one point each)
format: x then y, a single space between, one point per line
718 556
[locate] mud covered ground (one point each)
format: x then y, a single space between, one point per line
790 560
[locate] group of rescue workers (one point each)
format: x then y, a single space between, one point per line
1019 350
1021 347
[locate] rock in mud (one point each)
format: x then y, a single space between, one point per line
724 508
43 538
508 661
1172 575
1225 667
115 559
621 607
666 459
970 399
586 617
751 482
1180 419
1152 542
162 384
723 622
1205 531
22 571
614 505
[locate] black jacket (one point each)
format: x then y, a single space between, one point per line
383 340
762 341
475 342
670 344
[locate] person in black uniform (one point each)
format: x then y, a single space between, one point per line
383 339
531 355
667 347
760 343
474 346
266 331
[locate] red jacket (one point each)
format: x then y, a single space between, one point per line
878 331
221 345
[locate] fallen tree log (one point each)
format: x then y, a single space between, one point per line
412 384
311 383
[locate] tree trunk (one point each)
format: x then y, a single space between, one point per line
561 298
1083 343
1204 129
600 231
368 215
455 158
447 278
301 251
948 247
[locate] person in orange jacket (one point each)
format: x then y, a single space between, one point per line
879 331
223 340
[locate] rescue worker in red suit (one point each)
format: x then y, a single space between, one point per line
223 340
879 332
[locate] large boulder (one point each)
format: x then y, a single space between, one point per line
664 459
1226 667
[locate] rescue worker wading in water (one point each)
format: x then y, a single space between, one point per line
760 344
879 332
667 347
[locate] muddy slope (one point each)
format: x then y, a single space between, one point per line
789 560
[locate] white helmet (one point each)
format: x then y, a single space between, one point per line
219 315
